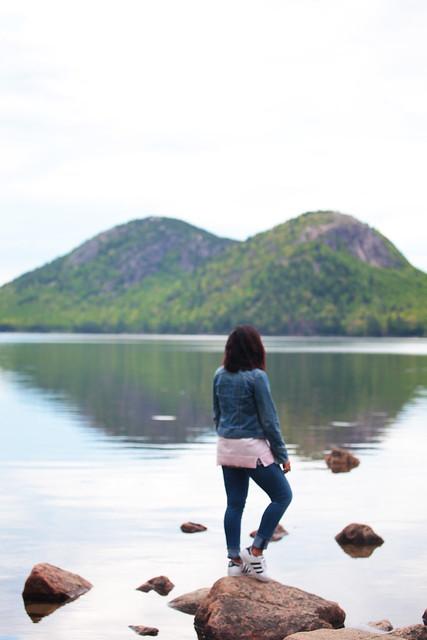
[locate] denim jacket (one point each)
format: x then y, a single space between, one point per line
244 408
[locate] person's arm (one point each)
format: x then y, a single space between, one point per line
269 419
216 410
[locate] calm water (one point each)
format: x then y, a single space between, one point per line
93 481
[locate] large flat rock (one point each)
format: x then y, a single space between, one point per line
245 609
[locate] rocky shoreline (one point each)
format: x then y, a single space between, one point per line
240 608
234 608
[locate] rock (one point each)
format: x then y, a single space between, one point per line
141 630
334 634
360 535
47 583
189 602
192 527
279 533
341 461
245 609
384 625
160 584
425 617
413 632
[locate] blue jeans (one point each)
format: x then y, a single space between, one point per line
236 480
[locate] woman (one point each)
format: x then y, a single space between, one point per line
250 445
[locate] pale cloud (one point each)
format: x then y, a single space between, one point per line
234 116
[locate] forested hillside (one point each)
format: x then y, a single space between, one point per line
321 273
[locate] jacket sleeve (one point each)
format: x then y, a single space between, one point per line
216 410
268 417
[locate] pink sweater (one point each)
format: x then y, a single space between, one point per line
243 452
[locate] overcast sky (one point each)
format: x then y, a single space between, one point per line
232 115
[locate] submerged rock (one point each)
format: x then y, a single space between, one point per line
246 609
341 461
279 533
47 583
383 625
413 632
359 535
354 551
141 630
160 584
192 527
189 602
39 610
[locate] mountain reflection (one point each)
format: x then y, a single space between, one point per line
324 399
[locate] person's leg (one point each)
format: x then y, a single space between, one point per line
273 481
236 481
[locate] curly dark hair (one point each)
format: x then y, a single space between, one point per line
244 350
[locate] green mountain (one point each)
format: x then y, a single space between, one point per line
321 273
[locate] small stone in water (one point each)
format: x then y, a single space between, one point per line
160 584
279 533
141 630
384 625
192 527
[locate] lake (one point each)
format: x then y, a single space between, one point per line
107 446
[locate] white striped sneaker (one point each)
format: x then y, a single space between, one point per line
255 566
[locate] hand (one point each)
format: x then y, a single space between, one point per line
286 466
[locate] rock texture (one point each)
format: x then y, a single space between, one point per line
359 534
47 583
245 609
341 460
189 602
141 630
425 617
279 533
362 242
192 527
160 584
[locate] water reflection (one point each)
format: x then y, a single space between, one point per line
39 610
124 389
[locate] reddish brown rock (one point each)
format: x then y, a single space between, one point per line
160 584
341 461
47 583
359 535
246 609
192 527
141 630
279 533
189 602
